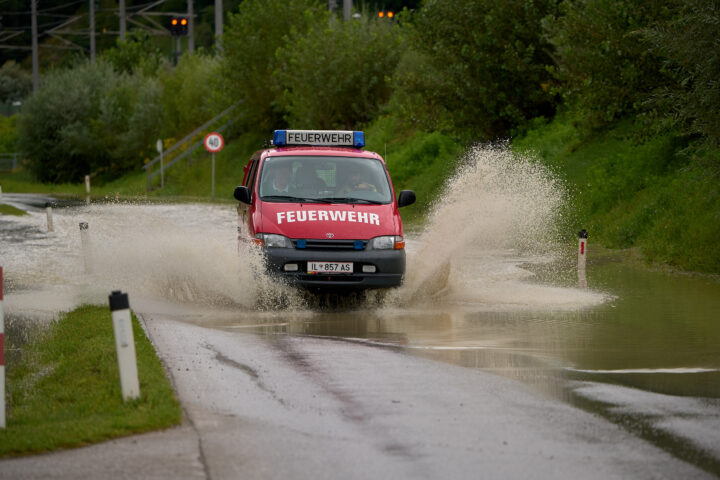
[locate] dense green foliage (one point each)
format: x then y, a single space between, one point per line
15 83
64 390
89 119
336 76
476 68
690 47
604 68
250 41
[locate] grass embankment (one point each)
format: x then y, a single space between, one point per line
10 210
63 387
634 191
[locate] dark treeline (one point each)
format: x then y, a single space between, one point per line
478 71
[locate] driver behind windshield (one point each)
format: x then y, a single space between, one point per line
357 180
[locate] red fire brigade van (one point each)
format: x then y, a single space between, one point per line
324 211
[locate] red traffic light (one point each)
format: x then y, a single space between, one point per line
381 14
174 22
183 22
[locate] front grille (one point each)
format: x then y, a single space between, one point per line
330 278
313 244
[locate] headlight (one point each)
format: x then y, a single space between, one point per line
271 240
388 242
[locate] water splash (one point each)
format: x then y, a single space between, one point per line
499 210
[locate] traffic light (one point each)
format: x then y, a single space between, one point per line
178 26
386 15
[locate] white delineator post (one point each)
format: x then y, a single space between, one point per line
125 345
86 246
87 184
582 252
2 355
48 210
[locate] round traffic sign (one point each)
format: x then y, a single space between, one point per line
214 142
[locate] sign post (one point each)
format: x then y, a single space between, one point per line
214 142
159 147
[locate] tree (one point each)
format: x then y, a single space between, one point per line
253 34
337 76
689 46
480 68
89 119
605 68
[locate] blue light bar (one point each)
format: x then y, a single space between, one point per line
320 138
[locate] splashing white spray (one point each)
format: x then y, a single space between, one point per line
499 209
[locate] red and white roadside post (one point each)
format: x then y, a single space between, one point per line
214 142
125 345
582 252
2 355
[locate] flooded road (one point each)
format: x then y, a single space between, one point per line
638 349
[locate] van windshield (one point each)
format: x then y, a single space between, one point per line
324 179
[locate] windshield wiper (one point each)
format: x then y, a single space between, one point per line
293 199
351 200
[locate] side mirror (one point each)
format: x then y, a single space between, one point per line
242 194
406 197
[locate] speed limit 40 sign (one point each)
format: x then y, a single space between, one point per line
214 142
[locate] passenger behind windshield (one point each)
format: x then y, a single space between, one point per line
358 180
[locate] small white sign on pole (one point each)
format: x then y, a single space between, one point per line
214 142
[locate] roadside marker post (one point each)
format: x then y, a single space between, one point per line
2 355
48 210
87 184
86 247
214 142
125 345
582 252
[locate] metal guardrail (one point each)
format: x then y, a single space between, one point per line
189 150
9 161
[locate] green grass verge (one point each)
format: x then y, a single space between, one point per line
64 390
10 210
653 193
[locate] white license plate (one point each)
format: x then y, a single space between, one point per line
329 267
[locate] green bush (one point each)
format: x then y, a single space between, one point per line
15 83
336 76
479 68
188 99
89 120
605 69
689 46
251 37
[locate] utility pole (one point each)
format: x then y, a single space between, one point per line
122 20
92 32
191 27
347 9
35 62
218 25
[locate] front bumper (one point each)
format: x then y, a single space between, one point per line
389 265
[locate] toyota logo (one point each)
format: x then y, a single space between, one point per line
329 235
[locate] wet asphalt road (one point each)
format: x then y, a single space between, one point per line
288 406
